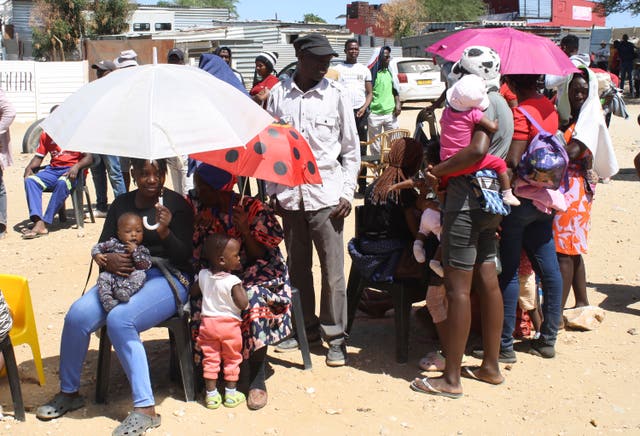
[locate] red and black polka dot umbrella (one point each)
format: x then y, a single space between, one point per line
277 154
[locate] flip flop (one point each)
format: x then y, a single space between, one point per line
467 372
30 234
136 424
430 390
58 406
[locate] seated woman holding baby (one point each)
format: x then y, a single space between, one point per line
264 273
388 225
153 303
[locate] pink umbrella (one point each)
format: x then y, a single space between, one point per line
520 52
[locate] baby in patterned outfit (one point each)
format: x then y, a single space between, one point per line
112 288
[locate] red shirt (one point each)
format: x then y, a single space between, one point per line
507 94
544 113
267 83
59 157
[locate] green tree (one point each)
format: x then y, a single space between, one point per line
399 18
111 17
606 7
447 10
223 4
57 27
313 18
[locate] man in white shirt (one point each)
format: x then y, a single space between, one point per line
602 56
356 78
314 214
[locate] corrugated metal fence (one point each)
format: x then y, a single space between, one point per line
34 87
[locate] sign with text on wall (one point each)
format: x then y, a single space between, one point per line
581 13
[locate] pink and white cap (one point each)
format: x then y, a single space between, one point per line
468 93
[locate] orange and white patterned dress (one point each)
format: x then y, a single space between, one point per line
571 228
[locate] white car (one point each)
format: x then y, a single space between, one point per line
416 78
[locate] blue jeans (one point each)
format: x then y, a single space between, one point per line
47 178
625 74
108 165
527 227
152 304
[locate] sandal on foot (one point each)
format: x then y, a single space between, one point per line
234 400
469 372
58 406
136 424
423 386
213 401
32 234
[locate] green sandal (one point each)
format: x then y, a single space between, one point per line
234 400
213 401
136 424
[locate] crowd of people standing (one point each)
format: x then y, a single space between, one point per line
244 277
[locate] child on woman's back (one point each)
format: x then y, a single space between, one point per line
466 99
113 288
223 298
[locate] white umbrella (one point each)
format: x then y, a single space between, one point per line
154 112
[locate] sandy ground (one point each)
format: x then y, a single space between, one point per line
591 387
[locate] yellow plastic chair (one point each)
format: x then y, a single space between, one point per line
16 293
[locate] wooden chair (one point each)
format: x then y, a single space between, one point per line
376 163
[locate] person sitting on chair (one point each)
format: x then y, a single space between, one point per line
389 222
60 176
264 272
154 302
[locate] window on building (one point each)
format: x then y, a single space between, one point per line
141 27
163 26
291 38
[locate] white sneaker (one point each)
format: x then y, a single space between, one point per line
99 213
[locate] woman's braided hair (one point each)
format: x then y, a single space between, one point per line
405 159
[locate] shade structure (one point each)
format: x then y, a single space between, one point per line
155 111
520 52
278 154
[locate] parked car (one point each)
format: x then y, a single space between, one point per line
416 78
288 70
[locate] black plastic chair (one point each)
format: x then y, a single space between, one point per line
181 357
401 292
301 332
14 378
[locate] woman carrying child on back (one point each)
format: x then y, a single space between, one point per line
219 336
466 101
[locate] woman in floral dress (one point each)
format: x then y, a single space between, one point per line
264 276
591 156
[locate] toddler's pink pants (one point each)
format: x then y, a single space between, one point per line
220 339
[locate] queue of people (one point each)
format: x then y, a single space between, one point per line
222 254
